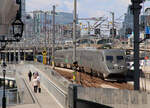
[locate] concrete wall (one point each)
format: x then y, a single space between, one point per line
114 98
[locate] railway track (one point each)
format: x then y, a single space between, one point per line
87 80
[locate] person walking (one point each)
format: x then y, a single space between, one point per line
30 75
35 84
38 81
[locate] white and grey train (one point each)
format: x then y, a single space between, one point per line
105 63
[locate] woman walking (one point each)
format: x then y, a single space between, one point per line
38 80
35 83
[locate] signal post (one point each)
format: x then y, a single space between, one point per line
44 53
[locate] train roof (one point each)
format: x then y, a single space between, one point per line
93 49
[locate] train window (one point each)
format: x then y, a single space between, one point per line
120 58
109 58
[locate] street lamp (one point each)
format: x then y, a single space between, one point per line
4 73
17 24
18 28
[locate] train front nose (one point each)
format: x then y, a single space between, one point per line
117 72
117 68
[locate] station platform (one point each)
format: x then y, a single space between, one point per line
42 100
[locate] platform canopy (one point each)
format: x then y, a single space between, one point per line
8 10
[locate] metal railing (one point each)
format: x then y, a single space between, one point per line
54 76
12 97
57 92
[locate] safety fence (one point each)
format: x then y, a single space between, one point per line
12 96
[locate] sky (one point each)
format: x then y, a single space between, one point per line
85 8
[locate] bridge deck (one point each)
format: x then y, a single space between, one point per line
43 100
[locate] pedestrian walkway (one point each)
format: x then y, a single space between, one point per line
43 99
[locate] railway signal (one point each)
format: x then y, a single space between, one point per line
97 31
113 32
44 53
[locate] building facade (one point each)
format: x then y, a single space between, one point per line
127 25
40 24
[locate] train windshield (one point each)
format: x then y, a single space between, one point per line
119 58
109 58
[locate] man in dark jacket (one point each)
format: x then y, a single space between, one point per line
30 75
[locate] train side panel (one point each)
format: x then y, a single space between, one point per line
92 61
